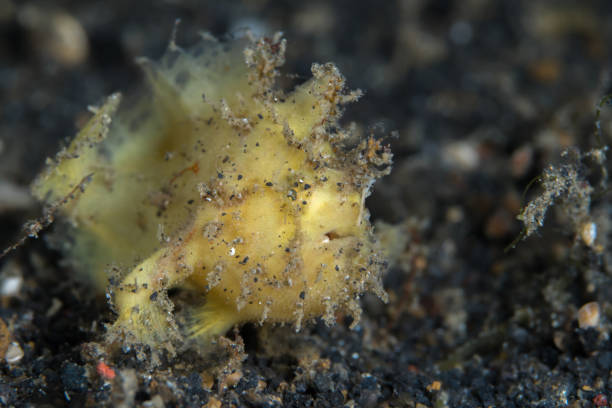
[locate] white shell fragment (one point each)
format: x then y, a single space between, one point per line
588 233
14 353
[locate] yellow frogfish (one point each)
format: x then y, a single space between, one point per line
211 179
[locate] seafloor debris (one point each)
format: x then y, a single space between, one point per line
567 185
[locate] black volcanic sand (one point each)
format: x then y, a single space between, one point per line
476 98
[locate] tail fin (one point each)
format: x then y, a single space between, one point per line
210 320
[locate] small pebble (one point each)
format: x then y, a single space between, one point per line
55 34
14 353
14 197
588 315
315 19
546 70
10 285
5 335
521 161
232 379
155 402
462 155
434 386
208 381
588 233
213 403
55 307
105 371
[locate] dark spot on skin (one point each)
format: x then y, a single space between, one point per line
306 186
190 202
182 78
269 184
153 296
260 116
240 177
220 175
139 120
302 295
332 235
171 57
